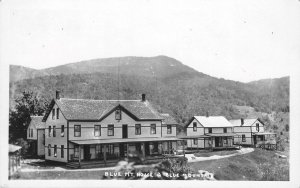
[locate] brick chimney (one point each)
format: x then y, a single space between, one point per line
242 121
57 96
207 114
143 97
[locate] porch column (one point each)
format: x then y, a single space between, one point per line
143 150
183 141
197 144
227 138
211 143
104 154
127 146
169 147
79 155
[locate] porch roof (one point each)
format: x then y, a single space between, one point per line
221 134
196 136
123 140
264 133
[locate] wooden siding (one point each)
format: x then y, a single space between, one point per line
87 128
40 142
58 140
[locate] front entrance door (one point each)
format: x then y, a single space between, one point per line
125 131
217 141
86 152
147 149
122 152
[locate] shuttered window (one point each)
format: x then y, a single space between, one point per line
137 129
169 129
97 130
153 128
77 130
110 131
195 126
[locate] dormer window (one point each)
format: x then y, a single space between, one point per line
257 127
118 114
53 113
195 126
57 113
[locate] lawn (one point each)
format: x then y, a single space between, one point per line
260 165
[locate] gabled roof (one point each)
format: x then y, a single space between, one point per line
168 119
247 122
85 109
212 121
36 122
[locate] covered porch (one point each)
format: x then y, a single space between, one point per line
108 152
212 141
265 140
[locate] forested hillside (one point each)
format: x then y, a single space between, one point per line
171 86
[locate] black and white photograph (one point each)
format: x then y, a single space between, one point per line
111 90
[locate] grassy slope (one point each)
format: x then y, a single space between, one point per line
260 165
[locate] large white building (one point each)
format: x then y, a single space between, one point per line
252 132
209 132
103 130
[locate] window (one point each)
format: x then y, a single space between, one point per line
153 129
97 130
110 131
118 114
55 150
31 132
99 154
169 129
195 141
57 113
195 126
243 138
76 152
224 130
77 130
257 127
137 129
62 147
49 149
49 131
209 130
54 131
225 140
44 139
62 131
53 113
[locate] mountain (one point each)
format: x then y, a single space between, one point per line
159 66
17 72
170 85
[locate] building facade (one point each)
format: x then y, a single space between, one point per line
209 132
36 136
252 132
83 130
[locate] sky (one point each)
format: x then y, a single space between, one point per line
242 40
